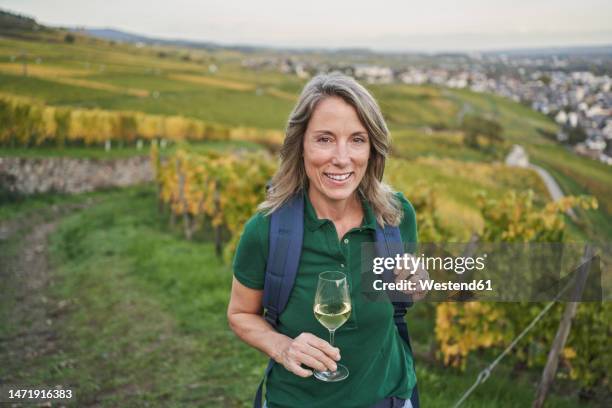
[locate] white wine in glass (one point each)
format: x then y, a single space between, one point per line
332 308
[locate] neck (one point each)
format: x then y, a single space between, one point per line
332 209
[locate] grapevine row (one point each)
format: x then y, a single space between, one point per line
226 188
220 191
26 122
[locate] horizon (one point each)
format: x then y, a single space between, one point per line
605 44
227 26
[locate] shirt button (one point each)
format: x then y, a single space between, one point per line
346 240
342 265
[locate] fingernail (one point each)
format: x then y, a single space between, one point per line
334 367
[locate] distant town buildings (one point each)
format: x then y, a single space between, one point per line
580 102
577 99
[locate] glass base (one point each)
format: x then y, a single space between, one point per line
332 376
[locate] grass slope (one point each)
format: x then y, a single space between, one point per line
147 327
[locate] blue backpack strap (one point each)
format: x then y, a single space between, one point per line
388 243
286 236
259 395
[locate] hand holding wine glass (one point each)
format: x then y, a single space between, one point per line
307 351
332 308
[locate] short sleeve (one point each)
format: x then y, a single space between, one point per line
249 265
408 226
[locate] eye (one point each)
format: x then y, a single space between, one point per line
324 139
360 139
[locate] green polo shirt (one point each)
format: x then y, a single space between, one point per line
379 361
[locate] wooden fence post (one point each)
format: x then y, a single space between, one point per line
548 375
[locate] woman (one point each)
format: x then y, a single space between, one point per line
334 154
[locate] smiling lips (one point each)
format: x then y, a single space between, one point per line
338 177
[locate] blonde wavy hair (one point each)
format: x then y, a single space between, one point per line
290 178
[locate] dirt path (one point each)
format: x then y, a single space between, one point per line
30 317
89 329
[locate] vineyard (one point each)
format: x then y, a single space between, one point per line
29 123
220 192
211 126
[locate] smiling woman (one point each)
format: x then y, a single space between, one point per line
336 153
326 199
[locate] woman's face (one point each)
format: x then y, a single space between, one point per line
336 149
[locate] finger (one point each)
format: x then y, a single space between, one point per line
321 357
325 347
402 276
414 284
317 364
417 286
297 370
417 277
402 272
423 273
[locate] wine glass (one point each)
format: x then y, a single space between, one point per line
332 308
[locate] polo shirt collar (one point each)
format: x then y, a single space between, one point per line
312 222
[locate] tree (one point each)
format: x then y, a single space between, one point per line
575 135
474 126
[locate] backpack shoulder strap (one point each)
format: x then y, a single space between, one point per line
388 243
286 236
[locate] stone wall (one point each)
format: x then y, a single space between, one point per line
71 175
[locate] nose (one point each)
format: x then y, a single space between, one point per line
341 155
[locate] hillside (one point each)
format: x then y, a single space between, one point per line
214 86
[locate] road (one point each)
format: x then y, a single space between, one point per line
518 158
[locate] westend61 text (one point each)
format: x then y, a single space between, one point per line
430 284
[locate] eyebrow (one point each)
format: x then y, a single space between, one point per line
359 132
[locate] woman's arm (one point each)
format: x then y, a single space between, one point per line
244 314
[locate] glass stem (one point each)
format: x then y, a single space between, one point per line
331 337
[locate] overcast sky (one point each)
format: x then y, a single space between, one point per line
430 25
